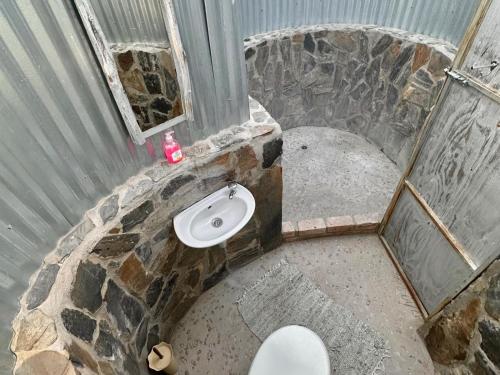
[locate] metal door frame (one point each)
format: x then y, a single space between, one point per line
405 184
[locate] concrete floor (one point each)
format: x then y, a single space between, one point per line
353 270
339 173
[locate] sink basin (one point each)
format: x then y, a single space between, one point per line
215 218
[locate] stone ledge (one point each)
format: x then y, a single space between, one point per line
330 226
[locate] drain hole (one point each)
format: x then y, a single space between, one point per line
217 222
304 147
209 207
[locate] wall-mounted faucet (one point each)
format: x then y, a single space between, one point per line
232 189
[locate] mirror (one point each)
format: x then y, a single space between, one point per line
149 80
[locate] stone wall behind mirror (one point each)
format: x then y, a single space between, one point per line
149 77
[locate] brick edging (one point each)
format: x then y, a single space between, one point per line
330 226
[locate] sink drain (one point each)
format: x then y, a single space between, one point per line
217 222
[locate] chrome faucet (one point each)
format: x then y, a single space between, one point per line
232 189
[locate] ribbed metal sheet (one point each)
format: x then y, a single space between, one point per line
62 142
444 19
125 21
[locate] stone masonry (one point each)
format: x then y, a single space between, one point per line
465 337
149 78
376 82
119 286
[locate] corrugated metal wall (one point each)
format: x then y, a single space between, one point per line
62 144
444 19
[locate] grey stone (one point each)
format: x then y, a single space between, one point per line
161 105
106 344
161 235
382 44
78 324
171 87
392 97
372 72
137 215
249 52
126 310
154 291
403 58
271 151
86 292
215 278
175 184
148 61
309 44
116 244
40 290
490 341
327 68
130 365
166 294
324 48
143 252
261 59
142 335
243 257
153 83
153 337
109 208
357 92
309 63
424 78
74 238
492 304
484 364
225 140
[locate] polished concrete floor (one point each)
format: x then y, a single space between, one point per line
353 270
339 173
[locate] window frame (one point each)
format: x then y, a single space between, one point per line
107 62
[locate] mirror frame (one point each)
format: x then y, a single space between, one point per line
105 56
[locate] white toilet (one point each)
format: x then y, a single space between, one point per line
291 350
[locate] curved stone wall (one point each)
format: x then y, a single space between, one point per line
376 82
120 281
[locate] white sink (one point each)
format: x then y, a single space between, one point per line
215 218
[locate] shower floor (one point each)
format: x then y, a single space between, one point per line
354 271
339 173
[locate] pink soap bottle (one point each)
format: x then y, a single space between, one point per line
172 149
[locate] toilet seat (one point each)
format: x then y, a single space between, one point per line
291 350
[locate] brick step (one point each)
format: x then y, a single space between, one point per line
330 226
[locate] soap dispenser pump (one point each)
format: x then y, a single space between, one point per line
172 149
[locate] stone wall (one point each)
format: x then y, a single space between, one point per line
376 82
149 78
121 280
465 337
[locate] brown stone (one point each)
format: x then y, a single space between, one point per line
242 239
247 160
133 275
448 339
125 60
115 245
422 54
223 159
182 308
105 368
36 331
133 80
46 363
216 257
343 40
79 355
193 278
190 257
268 193
298 38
